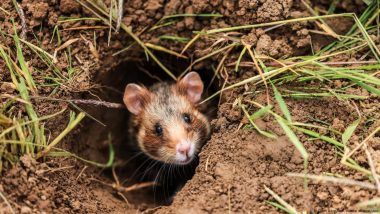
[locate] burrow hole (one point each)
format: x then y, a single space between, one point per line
130 167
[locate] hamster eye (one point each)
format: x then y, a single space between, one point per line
158 129
187 118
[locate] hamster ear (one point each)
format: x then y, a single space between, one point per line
135 97
192 86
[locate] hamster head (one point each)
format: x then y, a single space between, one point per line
168 126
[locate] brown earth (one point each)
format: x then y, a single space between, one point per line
234 165
237 163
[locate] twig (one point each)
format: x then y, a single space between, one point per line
87 102
98 103
58 169
127 189
124 198
81 172
22 17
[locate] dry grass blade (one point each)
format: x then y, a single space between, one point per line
220 66
375 202
372 167
91 47
165 50
85 28
63 46
275 72
235 28
207 56
345 157
195 38
119 14
5 11
344 181
281 201
12 97
8 130
258 68
323 24
6 202
34 47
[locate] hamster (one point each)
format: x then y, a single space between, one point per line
166 123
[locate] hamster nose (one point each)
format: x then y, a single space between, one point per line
184 150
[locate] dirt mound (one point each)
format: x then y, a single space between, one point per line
236 164
54 187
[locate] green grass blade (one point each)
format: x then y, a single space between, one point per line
281 201
20 58
175 38
321 137
259 113
111 157
74 121
8 62
278 206
239 59
266 134
29 109
367 87
281 103
293 138
349 131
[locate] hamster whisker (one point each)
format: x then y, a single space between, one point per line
149 168
133 157
156 179
135 173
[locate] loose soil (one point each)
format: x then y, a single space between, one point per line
234 165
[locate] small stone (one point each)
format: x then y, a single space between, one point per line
26 209
322 195
75 205
224 171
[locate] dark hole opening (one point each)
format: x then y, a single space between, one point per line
130 167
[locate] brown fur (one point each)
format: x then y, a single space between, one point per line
166 105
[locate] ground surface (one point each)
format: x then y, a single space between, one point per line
234 165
